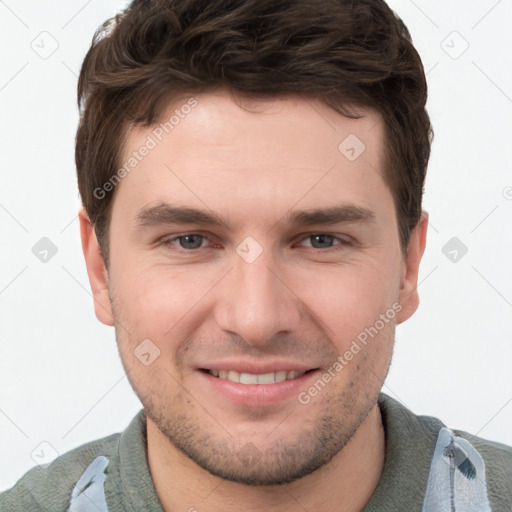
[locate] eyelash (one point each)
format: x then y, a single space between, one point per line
168 243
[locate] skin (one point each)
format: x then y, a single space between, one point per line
298 301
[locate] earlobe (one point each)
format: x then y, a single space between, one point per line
408 293
98 275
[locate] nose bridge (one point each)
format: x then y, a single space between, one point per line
257 303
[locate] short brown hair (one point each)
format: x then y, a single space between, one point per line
344 52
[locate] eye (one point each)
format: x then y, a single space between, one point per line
188 242
325 241
192 242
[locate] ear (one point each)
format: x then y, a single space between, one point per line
98 275
408 293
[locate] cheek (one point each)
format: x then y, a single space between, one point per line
158 302
349 299
163 303
360 290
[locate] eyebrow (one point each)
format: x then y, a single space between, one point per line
164 213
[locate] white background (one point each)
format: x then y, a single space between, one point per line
61 381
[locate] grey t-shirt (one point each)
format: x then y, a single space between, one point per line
428 468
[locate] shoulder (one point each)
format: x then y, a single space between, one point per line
498 467
423 436
497 458
49 488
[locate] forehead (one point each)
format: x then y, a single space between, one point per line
213 150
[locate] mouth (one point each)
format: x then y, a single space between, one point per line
260 378
252 383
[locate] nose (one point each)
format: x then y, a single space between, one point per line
257 300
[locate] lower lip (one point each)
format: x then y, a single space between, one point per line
257 395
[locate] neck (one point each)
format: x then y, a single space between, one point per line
345 484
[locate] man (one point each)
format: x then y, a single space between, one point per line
252 175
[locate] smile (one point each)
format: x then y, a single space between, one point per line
262 378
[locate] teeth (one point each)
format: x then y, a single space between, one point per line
265 378
233 376
249 378
280 376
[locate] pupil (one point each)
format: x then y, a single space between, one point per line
322 239
193 245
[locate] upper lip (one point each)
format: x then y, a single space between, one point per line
257 367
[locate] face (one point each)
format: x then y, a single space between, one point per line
258 330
